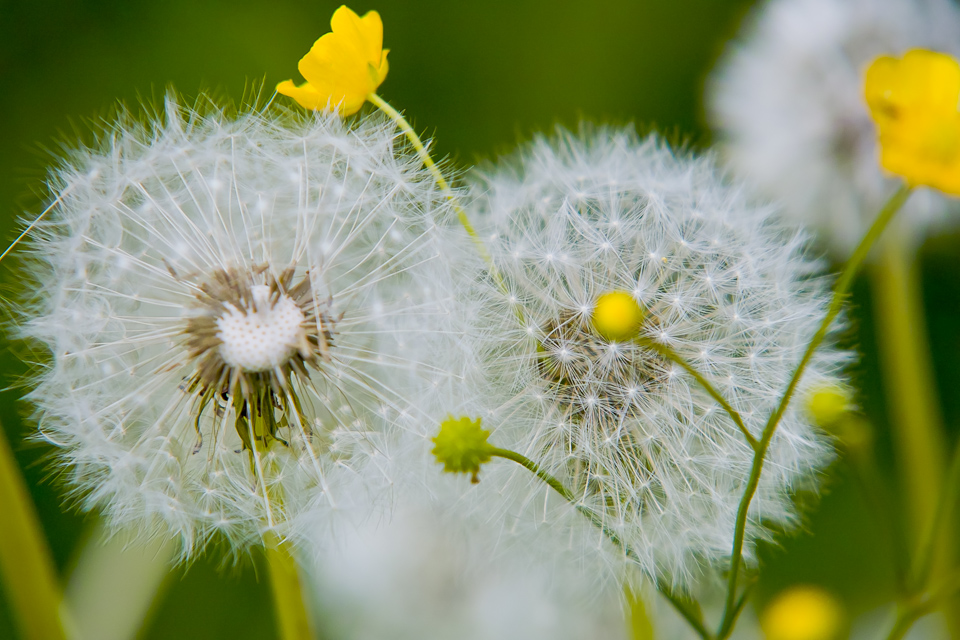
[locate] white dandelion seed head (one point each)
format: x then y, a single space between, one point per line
721 282
787 103
240 313
424 576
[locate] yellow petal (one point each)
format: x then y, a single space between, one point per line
914 102
305 95
366 32
931 80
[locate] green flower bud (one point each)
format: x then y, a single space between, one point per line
828 405
461 446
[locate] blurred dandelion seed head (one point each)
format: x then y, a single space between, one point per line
239 312
787 103
721 282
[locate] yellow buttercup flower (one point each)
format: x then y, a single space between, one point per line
344 66
914 102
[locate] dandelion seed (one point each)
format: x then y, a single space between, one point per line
643 446
228 347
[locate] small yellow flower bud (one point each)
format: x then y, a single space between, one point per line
803 613
828 406
617 316
461 446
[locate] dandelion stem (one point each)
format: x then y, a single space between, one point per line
840 291
673 356
689 611
25 563
293 623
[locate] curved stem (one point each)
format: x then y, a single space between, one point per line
428 162
431 166
675 357
25 563
840 291
923 604
684 607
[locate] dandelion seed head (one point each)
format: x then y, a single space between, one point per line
239 313
640 443
429 576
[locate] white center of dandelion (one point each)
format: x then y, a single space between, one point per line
263 335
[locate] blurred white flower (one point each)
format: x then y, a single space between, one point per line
721 282
425 577
237 310
787 103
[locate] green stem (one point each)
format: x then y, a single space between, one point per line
875 493
293 623
639 625
683 606
915 424
117 583
841 289
673 356
923 566
428 162
922 604
25 563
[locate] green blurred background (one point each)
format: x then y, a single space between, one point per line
479 76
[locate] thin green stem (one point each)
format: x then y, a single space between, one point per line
875 493
916 425
683 606
428 162
431 166
922 604
923 565
673 356
841 289
25 562
293 623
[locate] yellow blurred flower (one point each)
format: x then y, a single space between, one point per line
802 613
914 103
828 405
344 66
